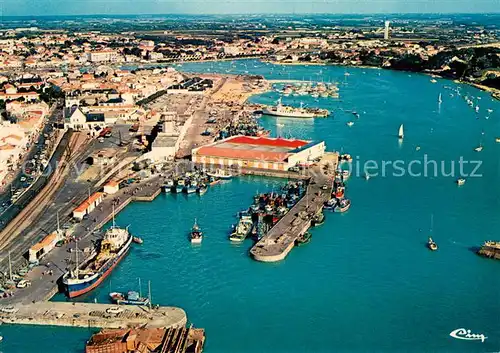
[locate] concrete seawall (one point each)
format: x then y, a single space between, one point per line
92 315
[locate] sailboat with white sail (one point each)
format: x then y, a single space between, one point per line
480 147
401 134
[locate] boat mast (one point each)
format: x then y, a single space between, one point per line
149 293
10 268
76 258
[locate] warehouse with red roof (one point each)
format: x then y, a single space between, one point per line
258 152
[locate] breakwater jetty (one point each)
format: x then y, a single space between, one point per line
92 315
280 240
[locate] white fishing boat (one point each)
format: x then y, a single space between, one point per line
497 140
220 174
350 123
401 132
460 181
196 234
291 112
434 81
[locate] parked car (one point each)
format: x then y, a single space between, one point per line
23 283
114 310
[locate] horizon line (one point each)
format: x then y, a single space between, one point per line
259 13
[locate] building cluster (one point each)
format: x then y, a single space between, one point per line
96 100
23 118
147 340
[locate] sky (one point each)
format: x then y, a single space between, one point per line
118 7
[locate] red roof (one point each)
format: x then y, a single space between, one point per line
266 141
85 204
264 156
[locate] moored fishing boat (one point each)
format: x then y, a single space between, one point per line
318 219
303 239
330 204
242 230
342 206
168 186
131 298
213 181
202 189
88 275
220 174
180 186
190 189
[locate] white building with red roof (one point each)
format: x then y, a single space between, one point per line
258 152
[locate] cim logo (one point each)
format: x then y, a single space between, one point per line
464 334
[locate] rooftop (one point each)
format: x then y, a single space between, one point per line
85 204
256 148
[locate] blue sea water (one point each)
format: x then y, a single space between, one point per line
366 283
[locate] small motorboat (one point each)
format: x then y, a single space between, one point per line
460 181
478 148
131 298
202 190
330 204
432 244
350 123
303 239
191 189
220 174
180 186
137 240
213 181
497 140
196 234
342 206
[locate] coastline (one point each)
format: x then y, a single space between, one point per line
495 93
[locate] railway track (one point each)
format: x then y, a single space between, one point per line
17 228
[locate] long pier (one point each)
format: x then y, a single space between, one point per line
92 315
280 240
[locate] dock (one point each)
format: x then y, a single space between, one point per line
92 315
280 240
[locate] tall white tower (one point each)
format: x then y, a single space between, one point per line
386 30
